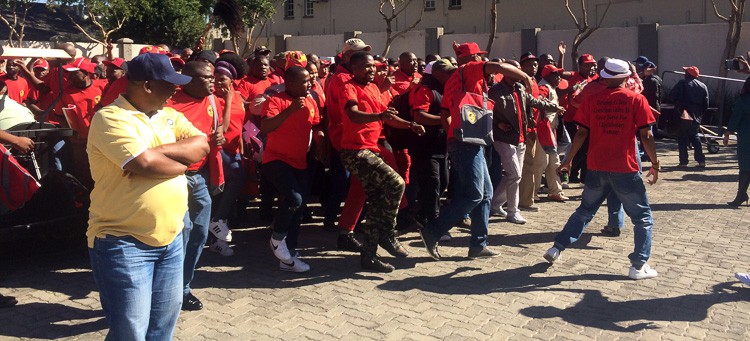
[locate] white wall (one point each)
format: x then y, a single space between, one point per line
322 45
413 41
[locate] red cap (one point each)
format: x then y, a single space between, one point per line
692 70
42 63
467 49
528 56
177 60
152 49
549 68
117 62
82 63
586 58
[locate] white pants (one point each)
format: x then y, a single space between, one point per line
507 190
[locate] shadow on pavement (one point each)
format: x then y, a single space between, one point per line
689 206
596 310
49 321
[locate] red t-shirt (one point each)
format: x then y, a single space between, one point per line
612 117
403 81
199 112
44 101
290 142
473 75
566 101
18 89
276 77
421 99
334 95
84 100
318 89
114 90
360 136
236 120
250 87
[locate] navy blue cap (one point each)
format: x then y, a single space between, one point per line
641 60
154 66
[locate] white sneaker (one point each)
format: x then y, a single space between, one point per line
220 230
552 255
222 248
744 278
280 250
644 273
516 218
294 265
446 237
498 212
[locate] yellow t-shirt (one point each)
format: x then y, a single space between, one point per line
149 209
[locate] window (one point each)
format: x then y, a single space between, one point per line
429 5
454 4
289 9
309 10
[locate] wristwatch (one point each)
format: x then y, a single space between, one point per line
656 166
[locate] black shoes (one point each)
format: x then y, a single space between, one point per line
347 242
7 301
430 243
191 303
393 246
611 231
374 264
741 198
482 252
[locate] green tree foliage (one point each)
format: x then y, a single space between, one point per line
177 23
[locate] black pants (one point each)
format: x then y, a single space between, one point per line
578 164
688 135
432 179
292 185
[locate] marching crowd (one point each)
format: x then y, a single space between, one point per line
171 143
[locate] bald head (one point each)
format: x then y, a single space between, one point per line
194 68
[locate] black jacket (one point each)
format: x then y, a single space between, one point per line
506 111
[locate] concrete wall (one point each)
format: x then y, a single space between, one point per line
338 16
322 45
617 42
506 44
413 41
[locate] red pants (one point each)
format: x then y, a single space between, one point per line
355 199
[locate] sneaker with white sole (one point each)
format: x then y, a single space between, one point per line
644 272
280 249
294 265
743 277
552 255
498 212
221 247
220 230
516 218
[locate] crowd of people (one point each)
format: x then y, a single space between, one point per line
408 144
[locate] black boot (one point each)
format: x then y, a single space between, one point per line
390 244
741 190
347 242
371 262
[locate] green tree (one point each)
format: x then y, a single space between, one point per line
176 23
255 13
100 19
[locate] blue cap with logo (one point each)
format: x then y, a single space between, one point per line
153 66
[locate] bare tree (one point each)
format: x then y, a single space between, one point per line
584 28
734 21
493 21
392 4
17 22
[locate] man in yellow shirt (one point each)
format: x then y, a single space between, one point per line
139 152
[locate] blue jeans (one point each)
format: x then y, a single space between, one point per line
338 181
234 181
196 221
631 191
615 213
473 193
292 185
139 286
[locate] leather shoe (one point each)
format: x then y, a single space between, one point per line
347 242
374 264
393 246
482 252
191 303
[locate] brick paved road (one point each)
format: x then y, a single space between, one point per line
698 244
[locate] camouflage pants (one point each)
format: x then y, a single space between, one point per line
384 189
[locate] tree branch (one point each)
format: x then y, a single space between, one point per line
716 11
402 8
585 14
570 11
80 28
402 32
606 9
380 9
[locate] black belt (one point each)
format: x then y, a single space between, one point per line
191 172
